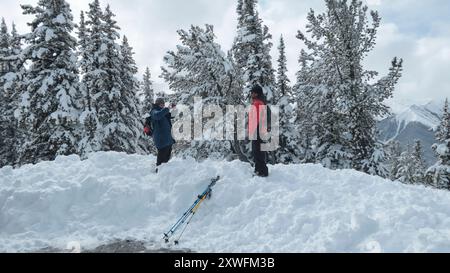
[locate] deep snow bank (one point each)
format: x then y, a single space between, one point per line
299 208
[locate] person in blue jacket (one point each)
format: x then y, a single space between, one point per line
162 131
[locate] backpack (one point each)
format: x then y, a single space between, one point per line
148 127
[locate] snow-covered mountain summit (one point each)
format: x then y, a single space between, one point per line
415 122
421 114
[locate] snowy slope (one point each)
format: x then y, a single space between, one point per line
300 208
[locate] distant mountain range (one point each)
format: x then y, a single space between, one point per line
416 122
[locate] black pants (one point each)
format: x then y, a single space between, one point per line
164 155
259 158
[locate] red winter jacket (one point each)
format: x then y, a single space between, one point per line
261 118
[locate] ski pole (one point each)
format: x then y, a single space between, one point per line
194 211
186 215
179 222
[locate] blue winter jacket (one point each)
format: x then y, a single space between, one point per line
162 127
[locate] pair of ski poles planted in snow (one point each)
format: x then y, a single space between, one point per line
186 219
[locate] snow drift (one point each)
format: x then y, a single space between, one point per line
299 208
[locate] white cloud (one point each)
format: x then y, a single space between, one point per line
426 64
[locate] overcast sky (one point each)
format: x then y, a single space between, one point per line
415 30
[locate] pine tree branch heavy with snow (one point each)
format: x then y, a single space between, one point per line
201 69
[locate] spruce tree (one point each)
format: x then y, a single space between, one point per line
146 99
411 165
288 150
283 87
5 54
418 163
83 42
5 46
92 57
394 152
439 174
199 68
6 119
213 78
320 124
50 100
110 116
405 172
11 85
251 50
148 95
336 91
16 49
131 115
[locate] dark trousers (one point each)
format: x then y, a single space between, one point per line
259 158
164 155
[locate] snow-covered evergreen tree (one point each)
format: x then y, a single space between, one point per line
439 174
201 69
116 107
337 92
418 162
49 106
110 115
92 57
251 50
131 114
283 82
6 118
147 92
376 164
405 172
83 42
5 47
412 165
322 127
146 99
288 151
16 50
394 152
11 84
5 53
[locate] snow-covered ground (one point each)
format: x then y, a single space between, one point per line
299 208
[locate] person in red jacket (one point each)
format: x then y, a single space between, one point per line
258 124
